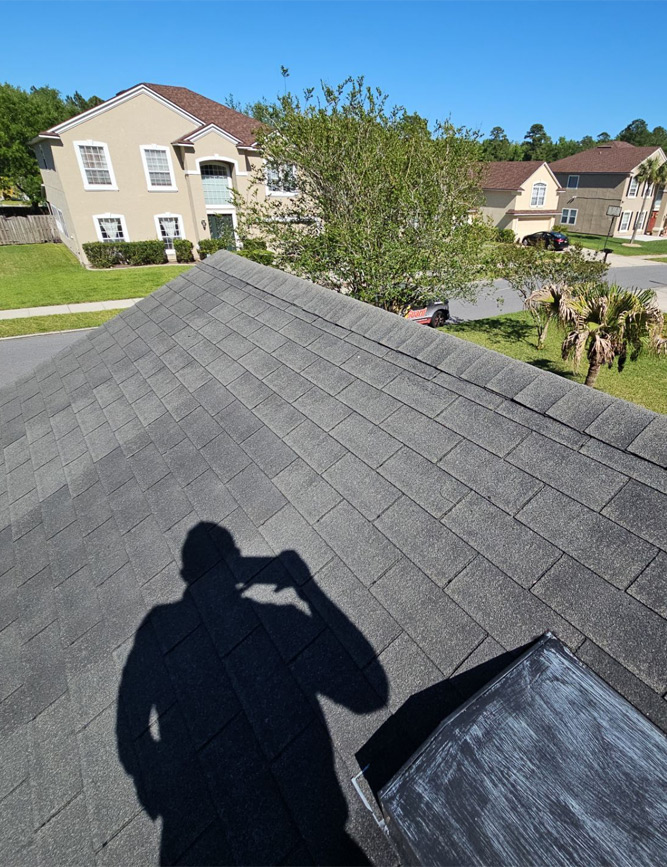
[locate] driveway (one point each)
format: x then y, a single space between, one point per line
20 355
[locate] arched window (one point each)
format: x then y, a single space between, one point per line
216 179
539 194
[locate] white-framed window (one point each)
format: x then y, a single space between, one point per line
280 179
216 181
633 186
95 164
640 221
648 189
110 228
538 195
158 168
573 182
626 217
568 216
169 228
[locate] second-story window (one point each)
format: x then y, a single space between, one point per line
280 178
648 189
158 168
538 195
632 188
95 165
573 182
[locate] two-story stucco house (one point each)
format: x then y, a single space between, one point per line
605 175
522 196
155 161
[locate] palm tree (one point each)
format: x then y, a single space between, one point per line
653 175
608 321
548 303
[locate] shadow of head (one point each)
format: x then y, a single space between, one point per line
206 541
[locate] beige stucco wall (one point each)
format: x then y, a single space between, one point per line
499 202
124 128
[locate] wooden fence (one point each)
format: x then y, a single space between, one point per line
28 229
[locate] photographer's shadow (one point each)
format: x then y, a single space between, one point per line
219 722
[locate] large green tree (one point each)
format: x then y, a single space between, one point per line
23 114
384 204
537 144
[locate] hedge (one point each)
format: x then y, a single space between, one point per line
106 255
183 250
253 248
505 236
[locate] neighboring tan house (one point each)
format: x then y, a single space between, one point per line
154 161
522 196
606 175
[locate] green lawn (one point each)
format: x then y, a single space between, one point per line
643 382
64 322
597 242
34 275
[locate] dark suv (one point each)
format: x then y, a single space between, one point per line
547 240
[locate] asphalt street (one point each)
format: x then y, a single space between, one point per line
20 355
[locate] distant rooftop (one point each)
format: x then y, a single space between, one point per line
616 157
255 535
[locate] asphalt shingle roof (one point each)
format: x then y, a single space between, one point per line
255 534
618 157
507 174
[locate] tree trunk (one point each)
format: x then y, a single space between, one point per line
634 234
592 374
542 333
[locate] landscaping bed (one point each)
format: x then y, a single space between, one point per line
513 334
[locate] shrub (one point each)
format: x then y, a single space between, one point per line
562 229
183 249
209 246
105 255
505 236
264 257
143 253
101 255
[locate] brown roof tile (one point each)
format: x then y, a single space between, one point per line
207 111
616 157
507 175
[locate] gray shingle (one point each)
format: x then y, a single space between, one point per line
652 442
651 586
288 532
316 447
320 407
306 490
544 391
580 407
427 397
619 624
443 631
268 451
537 422
357 542
256 494
370 402
510 613
342 600
491 476
431 487
279 415
54 766
238 421
249 390
620 423
375 371
365 489
329 377
620 679
588 537
365 440
78 606
567 471
408 669
641 510
482 426
630 465
434 548
511 546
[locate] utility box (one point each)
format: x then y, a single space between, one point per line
545 765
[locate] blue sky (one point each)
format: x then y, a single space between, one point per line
568 65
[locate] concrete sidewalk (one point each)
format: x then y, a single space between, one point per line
54 310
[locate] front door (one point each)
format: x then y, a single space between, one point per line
651 222
222 226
